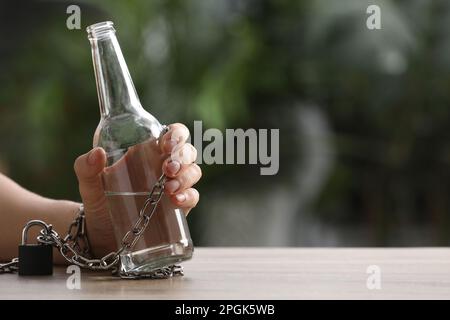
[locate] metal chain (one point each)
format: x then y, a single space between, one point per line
10 267
71 249
130 239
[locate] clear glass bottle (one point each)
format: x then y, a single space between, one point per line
130 137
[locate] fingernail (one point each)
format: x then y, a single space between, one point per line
92 157
180 197
172 185
173 166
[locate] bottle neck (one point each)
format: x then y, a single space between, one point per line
116 92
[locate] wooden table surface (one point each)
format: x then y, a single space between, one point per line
263 273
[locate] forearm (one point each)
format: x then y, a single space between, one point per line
18 206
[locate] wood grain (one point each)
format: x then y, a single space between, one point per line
263 273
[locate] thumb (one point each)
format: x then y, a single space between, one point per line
88 168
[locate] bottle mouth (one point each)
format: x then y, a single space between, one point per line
100 30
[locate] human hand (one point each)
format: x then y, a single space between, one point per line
179 167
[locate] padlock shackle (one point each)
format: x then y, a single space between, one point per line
33 223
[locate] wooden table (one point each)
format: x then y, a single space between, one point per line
262 273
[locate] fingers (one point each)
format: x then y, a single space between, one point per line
186 199
180 168
180 159
177 135
88 168
184 154
186 178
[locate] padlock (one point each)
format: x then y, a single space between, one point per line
35 259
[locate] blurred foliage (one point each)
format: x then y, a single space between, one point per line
235 63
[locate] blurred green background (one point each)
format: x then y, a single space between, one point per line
363 114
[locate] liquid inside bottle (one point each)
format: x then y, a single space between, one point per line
130 137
